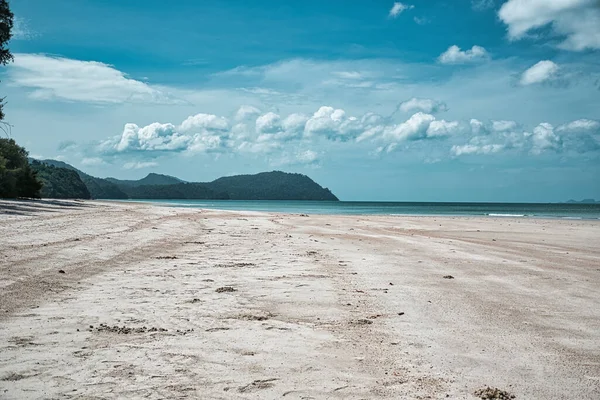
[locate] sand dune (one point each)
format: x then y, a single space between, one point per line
107 300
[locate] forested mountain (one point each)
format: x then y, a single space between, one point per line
150 179
275 185
99 188
60 183
189 191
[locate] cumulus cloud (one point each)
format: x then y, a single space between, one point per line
268 123
503 126
140 164
203 121
429 106
454 55
543 138
581 136
398 8
52 78
275 135
541 72
576 21
246 112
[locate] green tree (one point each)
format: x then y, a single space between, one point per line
17 178
6 25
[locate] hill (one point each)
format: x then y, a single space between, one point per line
99 188
150 180
275 185
60 183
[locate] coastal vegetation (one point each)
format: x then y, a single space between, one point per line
274 185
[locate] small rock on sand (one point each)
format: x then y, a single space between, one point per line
225 289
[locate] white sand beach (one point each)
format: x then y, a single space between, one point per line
123 301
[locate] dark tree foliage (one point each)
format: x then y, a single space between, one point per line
275 185
150 179
17 178
188 191
60 183
6 25
99 188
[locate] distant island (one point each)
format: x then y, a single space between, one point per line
63 181
584 201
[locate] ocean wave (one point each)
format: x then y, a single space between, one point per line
506 215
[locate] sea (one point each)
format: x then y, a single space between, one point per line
514 210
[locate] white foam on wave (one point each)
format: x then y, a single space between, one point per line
506 215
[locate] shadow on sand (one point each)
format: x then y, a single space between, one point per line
34 207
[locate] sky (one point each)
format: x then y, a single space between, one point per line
419 100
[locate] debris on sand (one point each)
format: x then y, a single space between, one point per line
236 265
362 322
257 385
448 277
61 271
250 317
12 377
225 289
493 393
217 329
166 257
126 330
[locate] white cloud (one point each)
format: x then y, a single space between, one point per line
92 161
349 74
428 106
268 123
246 112
454 55
577 21
580 125
541 72
398 8
481 5
503 126
544 138
442 128
412 129
295 122
203 121
475 149
140 164
307 157
421 21
21 30
61 78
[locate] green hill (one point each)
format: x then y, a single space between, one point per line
150 179
60 183
275 185
99 188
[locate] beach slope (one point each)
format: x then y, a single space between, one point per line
123 300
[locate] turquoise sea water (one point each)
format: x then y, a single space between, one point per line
575 211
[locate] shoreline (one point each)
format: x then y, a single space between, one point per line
324 306
484 215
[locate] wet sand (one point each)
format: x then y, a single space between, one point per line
114 300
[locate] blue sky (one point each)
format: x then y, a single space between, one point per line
423 100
